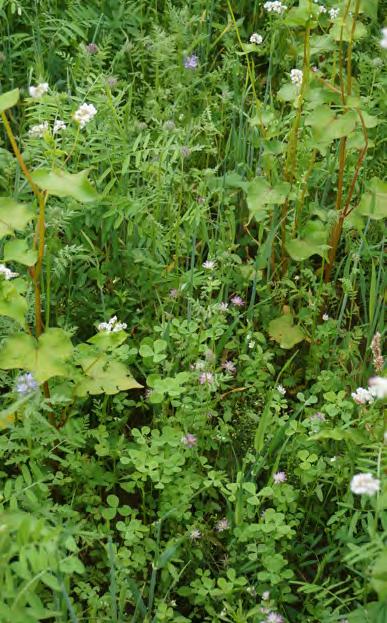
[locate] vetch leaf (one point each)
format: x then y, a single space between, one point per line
9 99
284 332
14 216
19 251
63 184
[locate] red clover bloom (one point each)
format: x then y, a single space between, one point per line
189 440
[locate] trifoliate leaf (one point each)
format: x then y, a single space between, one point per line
9 99
19 251
45 357
64 184
14 216
284 332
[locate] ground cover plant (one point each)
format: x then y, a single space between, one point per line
192 292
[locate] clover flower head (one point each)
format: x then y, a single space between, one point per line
173 293
209 264
325 317
206 378
229 367
7 273
38 91
223 307
362 396
38 131
26 384
185 151
222 525
58 126
92 48
189 440
378 386
274 617
84 114
195 534
333 13
256 38
279 478
191 61
113 326
296 76
365 484
169 125
237 301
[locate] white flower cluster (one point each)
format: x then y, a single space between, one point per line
365 484
58 126
377 388
256 38
113 326
333 13
275 7
7 273
362 396
84 114
296 76
383 42
37 131
39 90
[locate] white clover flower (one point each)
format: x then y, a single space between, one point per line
322 9
281 390
209 264
362 396
296 76
58 126
279 478
256 38
195 534
378 386
365 484
113 326
37 131
325 317
223 307
333 13
84 114
39 90
275 7
222 525
7 273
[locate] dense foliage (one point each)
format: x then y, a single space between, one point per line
191 311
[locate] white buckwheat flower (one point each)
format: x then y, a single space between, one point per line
84 114
7 273
362 396
256 38
39 90
378 386
59 125
296 76
113 326
333 13
37 131
365 484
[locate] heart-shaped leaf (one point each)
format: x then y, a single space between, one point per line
261 194
313 242
19 251
12 303
284 332
102 375
63 184
14 216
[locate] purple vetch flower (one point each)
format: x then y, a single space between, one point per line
189 440
222 525
279 478
229 366
206 378
92 48
25 384
191 61
237 301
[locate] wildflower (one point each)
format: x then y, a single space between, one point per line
189 440
113 326
148 393
251 344
279 477
191 62
317 417
209 264
256 38
275 7
281 390
296 77
333 13
84 114
112 81
274 617
195 535
206 378
25 384
376 349
383 42
223 307
169 125
174 293
325 317
39 90
210 355
222 525
333 459
266 595
229 367
322 9
362 396
378 386
365 484
185 151
237 301
92 48
7 273
198 365
37 131
58 126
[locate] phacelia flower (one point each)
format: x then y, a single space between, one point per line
189 440
222 525
296 77
256 38
39 90
191 62
378 386
237 301
92 48
333 13
383 41
228 366
275 7
195 534
362 396
376 348
25 384
206 378
113 326
7 273
37 131
281 390
58 126
279 478
84 114
365 484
